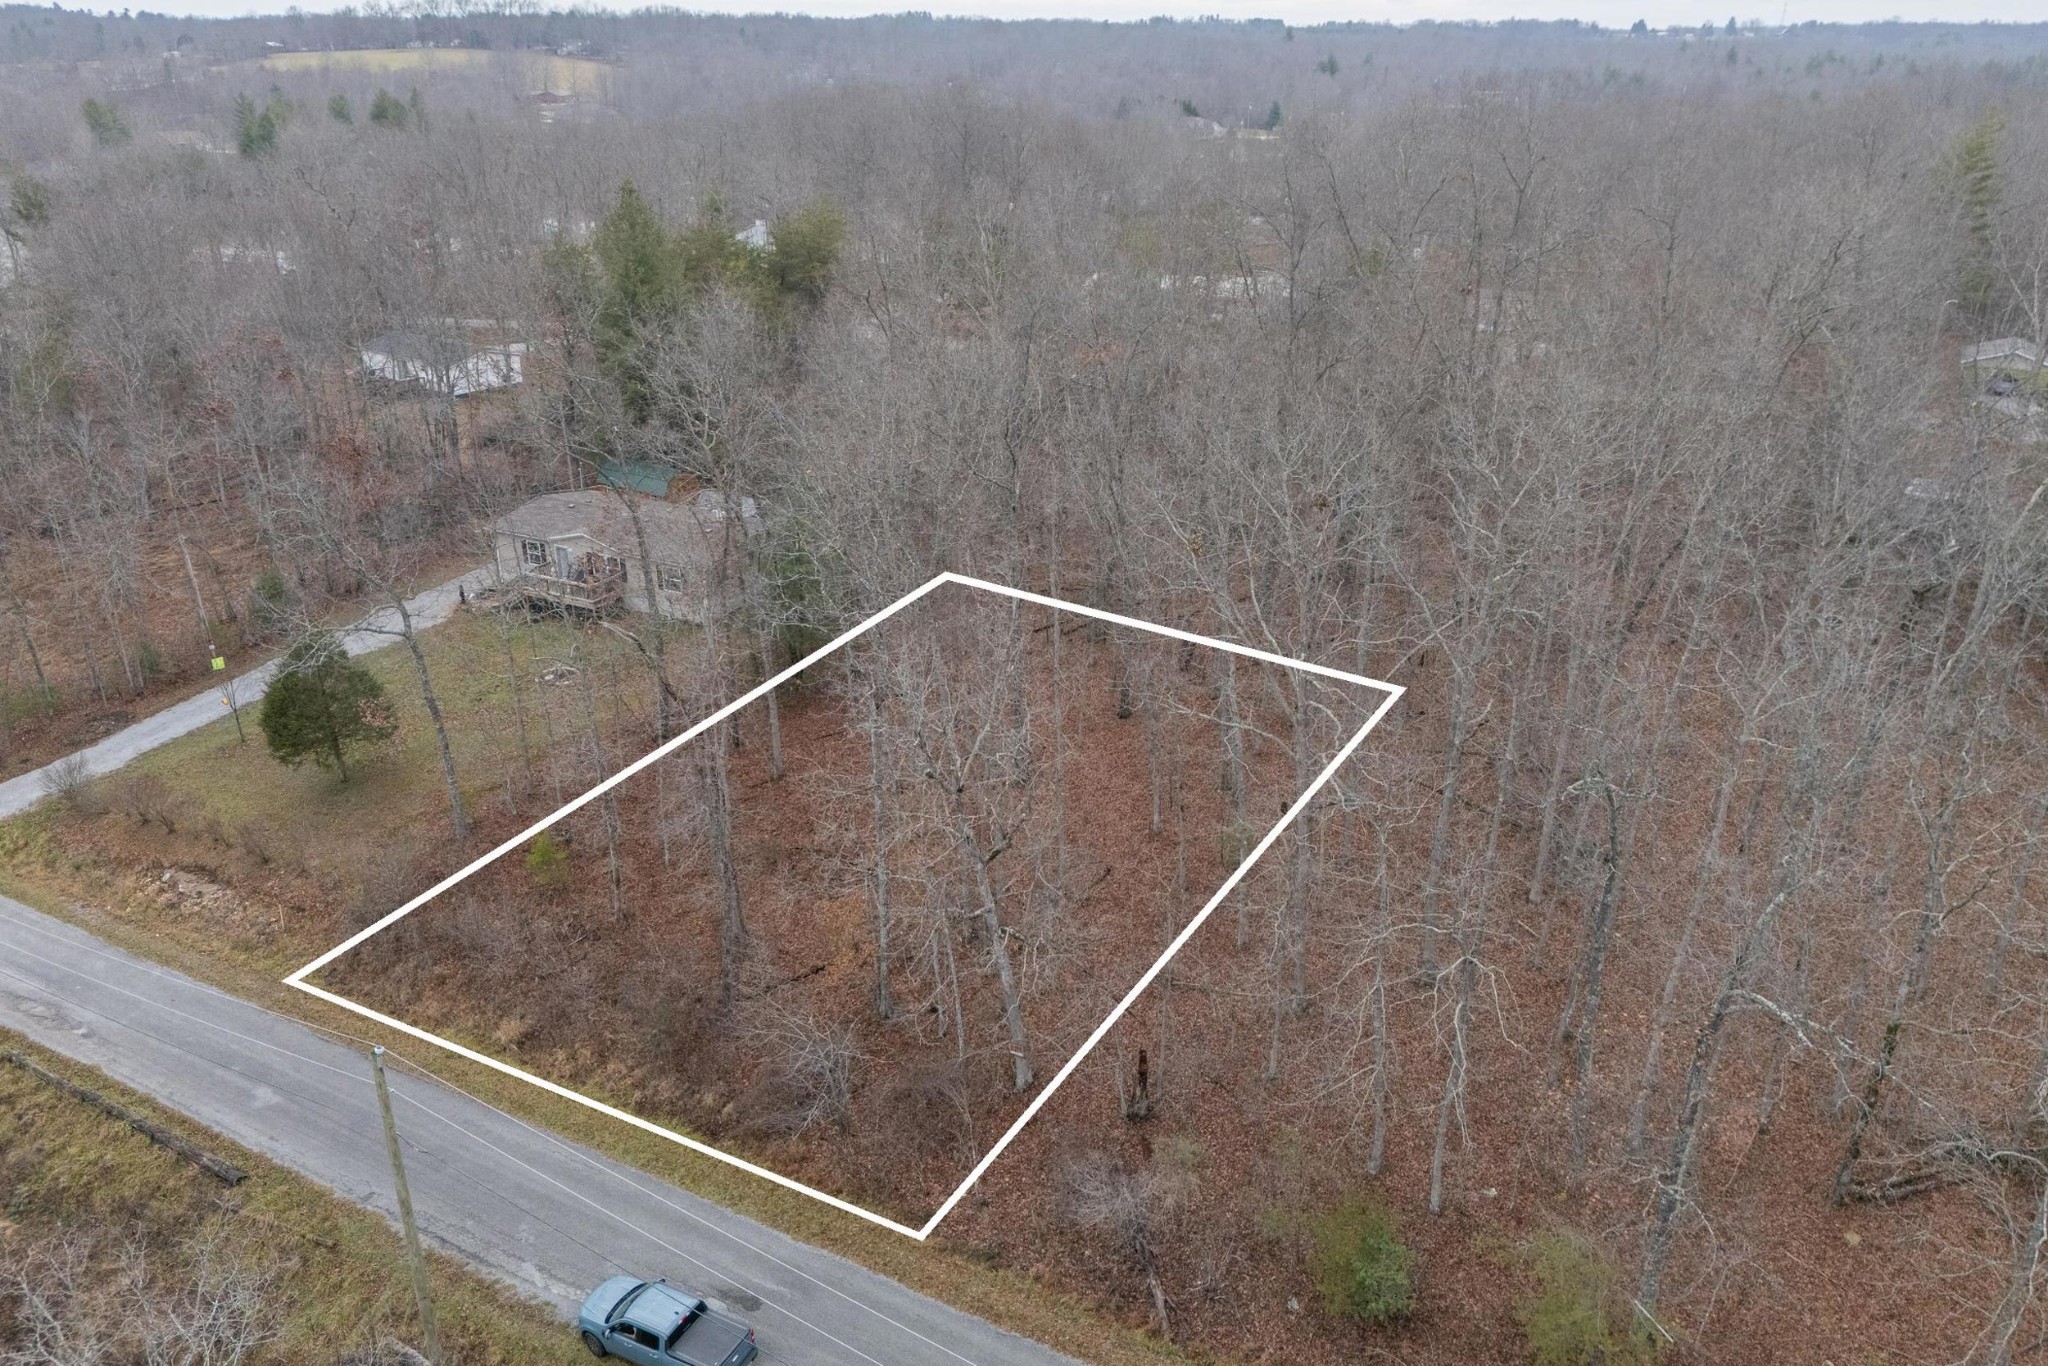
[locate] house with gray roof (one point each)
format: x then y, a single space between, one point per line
591 550
2005 367
443 363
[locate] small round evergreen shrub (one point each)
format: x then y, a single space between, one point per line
1360 1264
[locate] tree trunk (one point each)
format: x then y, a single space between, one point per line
458 816
733 926
879 885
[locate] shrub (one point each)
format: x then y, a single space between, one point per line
270 603
1577 1314
149 799
255 839
1360 1264
69 780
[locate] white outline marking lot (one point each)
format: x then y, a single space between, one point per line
1393 691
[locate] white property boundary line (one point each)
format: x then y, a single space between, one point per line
1393 691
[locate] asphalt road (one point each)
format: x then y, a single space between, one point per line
373 632
552 1218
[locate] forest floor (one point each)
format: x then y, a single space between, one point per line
1779 1276
336 1274
92 698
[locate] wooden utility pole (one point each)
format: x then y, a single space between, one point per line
430 1331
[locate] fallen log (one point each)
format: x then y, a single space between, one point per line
225 1172
1905 1185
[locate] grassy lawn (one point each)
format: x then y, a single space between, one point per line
67 1168
395 796
543 71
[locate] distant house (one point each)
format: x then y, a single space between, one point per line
582 551
445 364
2001 367
758 236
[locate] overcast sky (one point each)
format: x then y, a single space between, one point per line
1619 13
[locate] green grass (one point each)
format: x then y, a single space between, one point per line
566 75
396 794
65 1166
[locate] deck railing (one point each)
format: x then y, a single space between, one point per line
590 593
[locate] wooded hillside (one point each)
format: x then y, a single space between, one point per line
1672 963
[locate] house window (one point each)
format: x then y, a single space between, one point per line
535 554
670 576
614 567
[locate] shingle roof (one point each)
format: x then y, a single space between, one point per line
417 348
676 532
2000 349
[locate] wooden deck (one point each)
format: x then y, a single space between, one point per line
588 595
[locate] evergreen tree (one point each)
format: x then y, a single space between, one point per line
640 277
1639 29
104 119
323 705
1273 117
29 201
388 111
339 109
806 247
1978 185
1328 66
255 129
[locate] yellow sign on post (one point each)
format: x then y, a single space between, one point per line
219 663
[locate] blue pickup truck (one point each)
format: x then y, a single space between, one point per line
652 1323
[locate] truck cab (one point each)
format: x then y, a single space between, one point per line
652 1323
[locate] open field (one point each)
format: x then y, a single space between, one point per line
538 70
329 1277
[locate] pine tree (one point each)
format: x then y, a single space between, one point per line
806 248
1273 117
323 705
1978 184
255 129
388 111
104 120
640 278
339 109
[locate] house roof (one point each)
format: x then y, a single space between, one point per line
2004 347
418 348
676 532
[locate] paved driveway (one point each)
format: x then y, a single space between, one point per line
373 632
